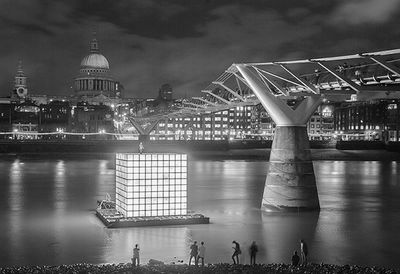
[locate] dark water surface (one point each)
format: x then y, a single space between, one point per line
47 217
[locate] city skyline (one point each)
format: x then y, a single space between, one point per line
150 43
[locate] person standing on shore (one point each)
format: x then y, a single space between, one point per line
193 253
303 252
236 252
135 259
295 259
202 252
253 253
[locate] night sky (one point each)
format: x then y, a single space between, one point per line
186 43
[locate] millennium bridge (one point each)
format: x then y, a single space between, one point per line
290 183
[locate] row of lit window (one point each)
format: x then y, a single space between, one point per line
154 170
148 157
146 206
148 194
151 179
129 205
147 188
128 197
122 163
150 186
151 163
150 176
171 201
178 190
154 213
162 179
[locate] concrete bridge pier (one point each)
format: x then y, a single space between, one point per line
290 183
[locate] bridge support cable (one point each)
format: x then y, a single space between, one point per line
229 90
379 60
217 96
206 101
342 78
303 83
194 104
263 77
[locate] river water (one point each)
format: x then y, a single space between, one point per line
47 216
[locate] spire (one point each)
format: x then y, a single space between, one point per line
20 69
94 45
20 86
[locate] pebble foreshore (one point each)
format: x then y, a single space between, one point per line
212 268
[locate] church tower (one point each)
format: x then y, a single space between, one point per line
20 87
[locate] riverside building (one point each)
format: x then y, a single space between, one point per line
373 120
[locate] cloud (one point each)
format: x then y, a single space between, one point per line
357 12
237 34
186 45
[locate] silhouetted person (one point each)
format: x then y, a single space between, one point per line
253 252
141 148
303 251
135 258
202 252
193 253
295 259
236 252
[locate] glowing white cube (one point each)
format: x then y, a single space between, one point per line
151 185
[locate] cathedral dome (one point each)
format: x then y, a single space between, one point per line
95 60
94 79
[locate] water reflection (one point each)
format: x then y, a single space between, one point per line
47 211
59 187
283 233
15 200
168 244
15 197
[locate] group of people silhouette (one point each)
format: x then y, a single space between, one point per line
198 253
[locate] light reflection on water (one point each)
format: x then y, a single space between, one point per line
46 207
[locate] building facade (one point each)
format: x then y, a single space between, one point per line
372 120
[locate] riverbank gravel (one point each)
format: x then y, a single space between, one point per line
185 269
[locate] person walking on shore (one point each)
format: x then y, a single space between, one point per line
202 252
303 252
295 259
135 259
253 253
193 253
236 252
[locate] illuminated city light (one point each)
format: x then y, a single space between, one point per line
151 185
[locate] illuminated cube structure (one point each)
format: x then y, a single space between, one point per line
151 185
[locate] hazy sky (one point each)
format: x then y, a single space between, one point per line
186 43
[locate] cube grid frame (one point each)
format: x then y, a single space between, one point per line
151 184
